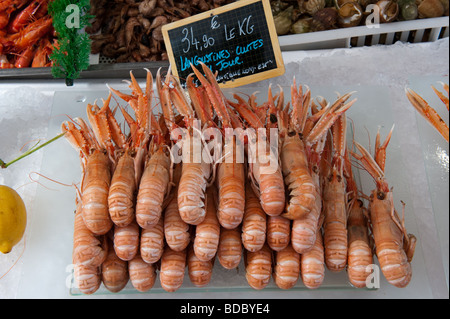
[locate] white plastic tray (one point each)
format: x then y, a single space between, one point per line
436 159
60 162
420 30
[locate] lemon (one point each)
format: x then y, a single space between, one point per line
13 218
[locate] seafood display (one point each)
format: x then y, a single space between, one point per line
188 228
302 16
26 34
130 31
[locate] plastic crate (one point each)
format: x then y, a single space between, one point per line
420 30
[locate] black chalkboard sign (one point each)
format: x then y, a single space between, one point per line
238 41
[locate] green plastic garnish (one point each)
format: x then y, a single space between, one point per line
30 151
71 54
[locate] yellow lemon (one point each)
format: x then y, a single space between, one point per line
13 218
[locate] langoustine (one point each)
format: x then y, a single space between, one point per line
229 252
142 274
89 252
173 264
335 202
254 224
154 186
429 113
207 233
393 245
263 160
96 149
152 242
300 156
278 232
196 172
258 267
177 232
114 271
200 271
287 268
126 241
231 169
312 262
294 161
360 250
128 171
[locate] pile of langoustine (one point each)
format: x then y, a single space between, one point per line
26 34
139 213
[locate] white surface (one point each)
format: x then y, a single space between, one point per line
41 272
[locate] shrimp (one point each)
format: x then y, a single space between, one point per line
114 271
200 272
335 203
173 264
278 232
12 5
142 274
126 241
152 242
25 16
230 249
394 247
4 19
360 254
24 59
427 112
4 62
258 267
254 224
287 268
231 171
42 55
28 36
207 233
